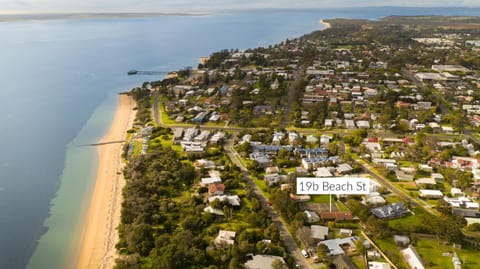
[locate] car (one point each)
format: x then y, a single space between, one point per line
304 253
298 266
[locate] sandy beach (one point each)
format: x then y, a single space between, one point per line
327 24
97 249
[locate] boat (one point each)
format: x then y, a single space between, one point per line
132 72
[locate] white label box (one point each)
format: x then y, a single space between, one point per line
333 185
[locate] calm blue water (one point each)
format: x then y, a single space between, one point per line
57 90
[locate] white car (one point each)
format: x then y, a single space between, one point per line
304 253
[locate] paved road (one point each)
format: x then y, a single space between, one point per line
298 75
285 235
386 183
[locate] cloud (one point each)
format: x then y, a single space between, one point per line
209 5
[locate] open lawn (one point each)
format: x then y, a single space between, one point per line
431 252
410 186
393 198
406 221
388 246
391 250
322 199
262 185
359 261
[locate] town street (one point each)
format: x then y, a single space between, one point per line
285 235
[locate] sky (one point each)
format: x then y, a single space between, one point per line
28 6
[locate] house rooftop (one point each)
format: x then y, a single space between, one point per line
389 211
318 232
335 245
262 262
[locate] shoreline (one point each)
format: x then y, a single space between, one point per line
100 234
326 24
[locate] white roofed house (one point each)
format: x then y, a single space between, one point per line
325 139
430 194
292 136
412 258
328 123
350 124
364 124
224 239
318 233
311 216
277 137
344 168
311 139
323 172
272 179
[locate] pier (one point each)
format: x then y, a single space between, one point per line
101 143
148 73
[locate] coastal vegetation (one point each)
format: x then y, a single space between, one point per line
354 99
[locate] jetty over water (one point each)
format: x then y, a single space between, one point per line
102 143
137 72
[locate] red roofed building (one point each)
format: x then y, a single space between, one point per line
336 215
400 104
216 188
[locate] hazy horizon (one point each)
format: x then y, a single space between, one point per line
205 6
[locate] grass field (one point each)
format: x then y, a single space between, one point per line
431 252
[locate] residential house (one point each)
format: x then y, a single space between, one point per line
350 124
378 265
224 239
311 216
216 188
323 172
430 194
217 138
325 139
206 181
277 138
233 200
318 233
363 124
272 179
391 211
344 262
311 139
214 211
262 159
337 246
412 258
345 232
374 198
328 123
344 168
272 170
466 212
292 136
401 240
425 181
336 215
263 261
403 176
177 135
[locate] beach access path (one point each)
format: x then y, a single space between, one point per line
97 248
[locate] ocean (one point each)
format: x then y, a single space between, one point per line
58 86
